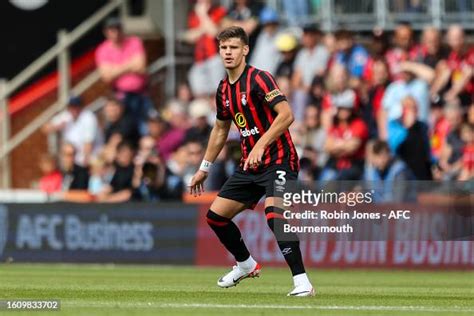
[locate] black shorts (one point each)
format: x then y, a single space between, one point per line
248 187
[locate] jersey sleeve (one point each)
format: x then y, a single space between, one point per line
222 110
268 89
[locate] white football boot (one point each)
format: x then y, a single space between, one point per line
302 290
236 275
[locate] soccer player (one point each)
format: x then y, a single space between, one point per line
251 98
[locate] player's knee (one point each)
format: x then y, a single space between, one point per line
273 213
216 220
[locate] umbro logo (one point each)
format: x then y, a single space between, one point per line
286 251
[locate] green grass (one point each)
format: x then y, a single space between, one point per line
162 290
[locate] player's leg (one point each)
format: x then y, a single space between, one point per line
236 195
219 217
287 242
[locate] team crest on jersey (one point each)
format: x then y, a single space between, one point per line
272 95
227 103
243 98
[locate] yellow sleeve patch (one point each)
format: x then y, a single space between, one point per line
272 94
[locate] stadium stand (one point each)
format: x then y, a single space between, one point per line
370 72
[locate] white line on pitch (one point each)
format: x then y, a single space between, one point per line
453 309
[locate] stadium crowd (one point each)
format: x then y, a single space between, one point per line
391 108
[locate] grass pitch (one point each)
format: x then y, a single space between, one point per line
163 290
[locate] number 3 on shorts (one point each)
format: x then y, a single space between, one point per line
281 180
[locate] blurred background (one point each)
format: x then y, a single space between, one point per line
113 101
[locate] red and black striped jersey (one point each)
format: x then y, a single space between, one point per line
250 102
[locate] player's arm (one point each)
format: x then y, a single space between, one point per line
281 123
217 140
458 85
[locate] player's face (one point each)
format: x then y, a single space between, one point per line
232 52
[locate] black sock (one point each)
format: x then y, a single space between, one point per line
288 242
229 235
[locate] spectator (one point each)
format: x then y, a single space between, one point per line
118 127
404 48
121 61
454 77
178 162
379 44
186 159
386 174
345 145
287 45
174 125
75 177
309 170
317 92
339 94
431 51
467 168
100 175
313 137
184 94
220 171
51 181
407 85
329 42
351 55
425 57
310 61
199 110
203 23
452 146
78 127
265 45
195 153
285 85
378 47
120 187
244 13
296 11
152 181
373 94
408 138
